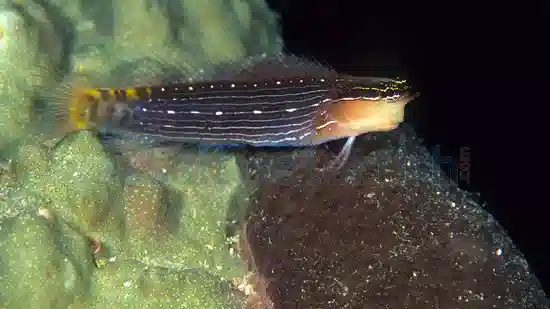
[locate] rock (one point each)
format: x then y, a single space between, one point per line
50 275
81 181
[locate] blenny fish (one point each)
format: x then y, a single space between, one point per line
277 101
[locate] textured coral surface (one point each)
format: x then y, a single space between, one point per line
81 227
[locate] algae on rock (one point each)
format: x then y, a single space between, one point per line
133 285
78 182
76 177
18 57
43 265
201 193
85 179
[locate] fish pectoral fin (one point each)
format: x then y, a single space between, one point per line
338 162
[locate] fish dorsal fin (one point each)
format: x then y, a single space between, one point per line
271 66
161 69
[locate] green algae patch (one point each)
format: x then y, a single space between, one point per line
17 58
76 178
130 284
85 179
44 264
165 241
32 161
200 191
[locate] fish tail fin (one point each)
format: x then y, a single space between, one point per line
65 105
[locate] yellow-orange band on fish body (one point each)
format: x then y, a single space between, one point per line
78 106
131 94
88 106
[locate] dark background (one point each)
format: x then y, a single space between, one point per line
480 72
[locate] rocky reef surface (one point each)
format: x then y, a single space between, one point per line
81 228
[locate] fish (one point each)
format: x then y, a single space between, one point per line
277 101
